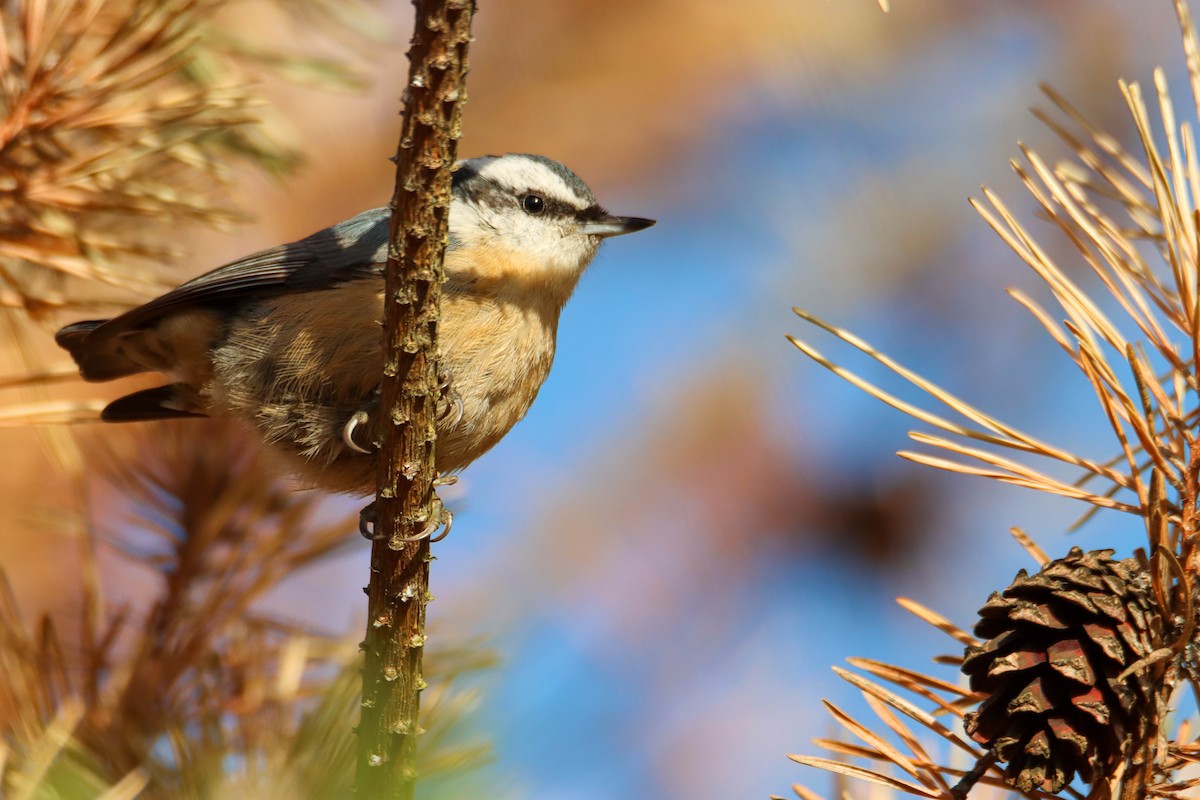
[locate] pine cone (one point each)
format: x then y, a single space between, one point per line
1057 642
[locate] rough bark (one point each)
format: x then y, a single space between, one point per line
406 502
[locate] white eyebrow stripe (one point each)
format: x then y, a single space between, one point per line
523 174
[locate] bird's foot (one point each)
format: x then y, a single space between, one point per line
440 521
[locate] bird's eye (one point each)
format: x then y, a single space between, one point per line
533 204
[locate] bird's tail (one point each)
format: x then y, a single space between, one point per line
98 357
173 401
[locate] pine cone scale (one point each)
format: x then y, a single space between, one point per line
1068 659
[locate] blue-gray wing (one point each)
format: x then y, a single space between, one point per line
347 251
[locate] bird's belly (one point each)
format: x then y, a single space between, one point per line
496 361
299 370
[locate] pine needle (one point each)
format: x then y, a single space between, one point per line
1131 222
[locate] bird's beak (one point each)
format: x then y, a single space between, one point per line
615 226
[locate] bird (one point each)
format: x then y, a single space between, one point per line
288 340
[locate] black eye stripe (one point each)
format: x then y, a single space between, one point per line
556 208
592 213
553 207
470 186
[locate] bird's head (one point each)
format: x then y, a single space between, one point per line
527 218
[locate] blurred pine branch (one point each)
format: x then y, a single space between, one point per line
115 114
118 112
201 694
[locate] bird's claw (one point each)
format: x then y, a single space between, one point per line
360 418
451 411
450 404
442 519
366 521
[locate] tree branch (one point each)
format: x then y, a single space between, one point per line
406 503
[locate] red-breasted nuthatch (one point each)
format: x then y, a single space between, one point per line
288 339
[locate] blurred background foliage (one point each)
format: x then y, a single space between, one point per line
693 522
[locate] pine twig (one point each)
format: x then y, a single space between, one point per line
406 504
